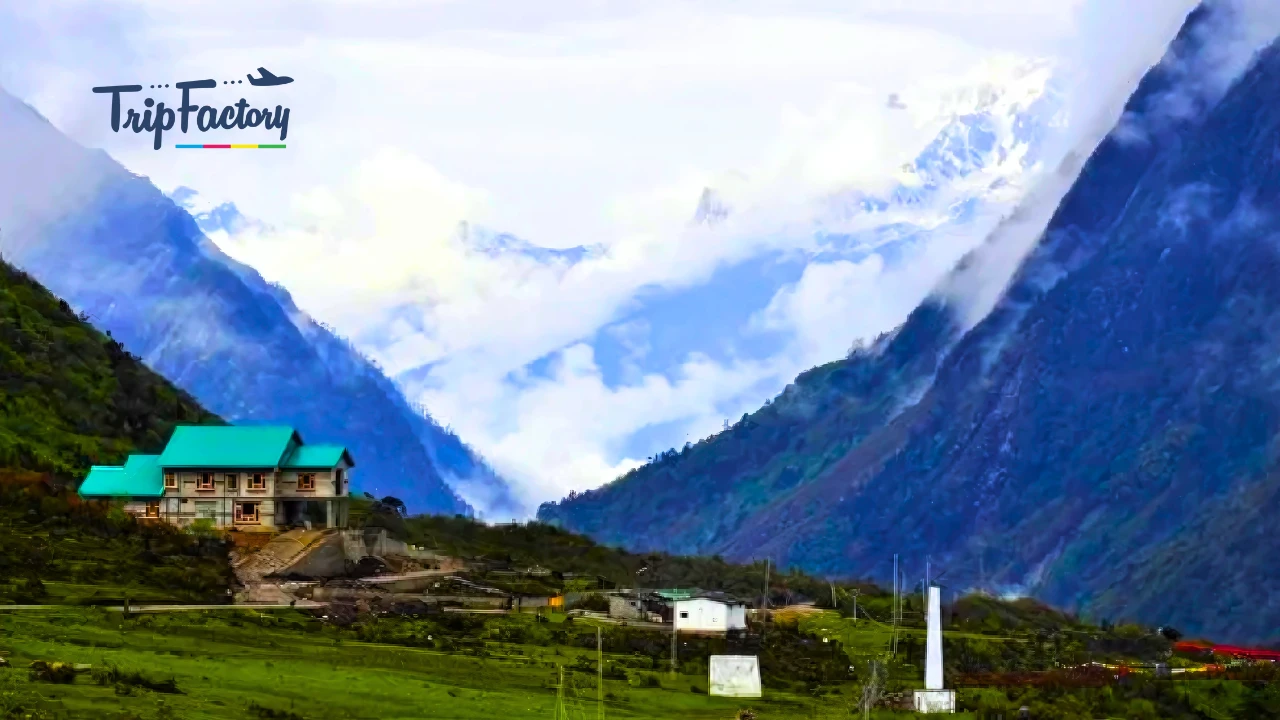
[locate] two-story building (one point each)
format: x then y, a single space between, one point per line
237 476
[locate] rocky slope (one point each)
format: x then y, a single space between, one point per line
1103 438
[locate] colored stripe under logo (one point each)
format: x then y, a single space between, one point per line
229 147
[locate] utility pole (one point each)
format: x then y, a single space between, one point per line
764 617
894 612
855 606
766 585
982 565
675 615
560 711
902 596
599 676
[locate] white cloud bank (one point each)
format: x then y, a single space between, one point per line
577 123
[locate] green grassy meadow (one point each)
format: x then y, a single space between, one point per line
245 664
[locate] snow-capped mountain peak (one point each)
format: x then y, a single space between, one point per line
495 244
213 218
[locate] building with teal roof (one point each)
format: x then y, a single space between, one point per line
237 476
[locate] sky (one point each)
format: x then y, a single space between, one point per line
598 125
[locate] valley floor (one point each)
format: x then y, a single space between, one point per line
278 665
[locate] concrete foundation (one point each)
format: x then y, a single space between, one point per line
935 701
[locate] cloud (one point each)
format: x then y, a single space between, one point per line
1224 47
557 118
1231 41
976 289
835 303
570 426
479 320
594 124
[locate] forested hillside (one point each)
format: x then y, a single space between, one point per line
71 397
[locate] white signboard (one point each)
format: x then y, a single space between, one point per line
735 676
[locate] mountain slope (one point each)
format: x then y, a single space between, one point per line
461 468
70 397
1104 438
138 265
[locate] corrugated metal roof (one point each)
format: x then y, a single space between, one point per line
317 456
140 476
227 446
718 596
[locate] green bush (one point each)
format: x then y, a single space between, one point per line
594 602
260 711
129 679
73 397
47 532
53 672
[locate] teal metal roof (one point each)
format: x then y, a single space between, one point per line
674 594
227 446
317 456
140 476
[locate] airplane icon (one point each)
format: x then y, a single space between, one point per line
267 79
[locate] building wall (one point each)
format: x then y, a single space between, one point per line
627 607
705 615
326 485
186 503
136 507
737 617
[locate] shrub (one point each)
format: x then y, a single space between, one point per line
648 680
272 714
126 680
594 602
18 699
53 672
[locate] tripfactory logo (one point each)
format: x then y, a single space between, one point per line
157 118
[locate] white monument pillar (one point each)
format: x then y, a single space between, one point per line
934 699
933 666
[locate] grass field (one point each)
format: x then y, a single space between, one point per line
866 638
272 664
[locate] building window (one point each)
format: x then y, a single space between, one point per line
153 507
170 481
207 510
258 481
306 481
684 616
337 481
204 481
246 512
233 481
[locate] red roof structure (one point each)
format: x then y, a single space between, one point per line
1229 650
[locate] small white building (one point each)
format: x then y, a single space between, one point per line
712 612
